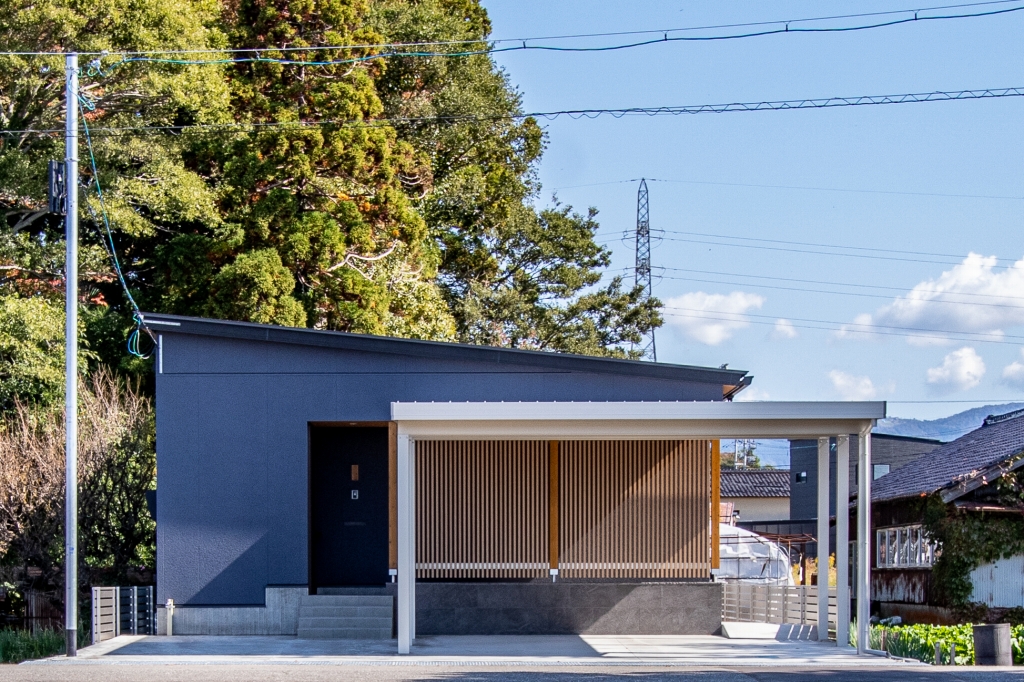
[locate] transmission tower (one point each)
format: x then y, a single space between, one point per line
643 261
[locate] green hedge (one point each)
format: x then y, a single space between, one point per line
918 641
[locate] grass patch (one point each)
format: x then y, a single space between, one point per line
22 645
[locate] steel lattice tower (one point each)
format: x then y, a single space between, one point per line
643 260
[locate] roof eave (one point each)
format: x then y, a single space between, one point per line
437 349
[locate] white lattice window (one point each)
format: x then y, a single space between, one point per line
904 547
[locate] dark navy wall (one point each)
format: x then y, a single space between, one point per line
232 443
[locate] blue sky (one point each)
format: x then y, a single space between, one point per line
741 174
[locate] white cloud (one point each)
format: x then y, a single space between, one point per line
1013 373
752 393
852 387
784 329
960 370
710 318
973 296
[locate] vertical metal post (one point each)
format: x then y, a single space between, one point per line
822 537
864 540
406 545
843 541
71 357
643 260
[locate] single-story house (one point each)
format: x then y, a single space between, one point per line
756 494
329 484
963 478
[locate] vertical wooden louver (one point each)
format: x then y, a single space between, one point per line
635 509
482 509
618 509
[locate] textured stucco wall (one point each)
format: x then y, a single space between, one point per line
232 450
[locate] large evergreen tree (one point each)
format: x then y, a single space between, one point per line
288 194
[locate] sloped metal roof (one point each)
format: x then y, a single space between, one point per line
961 463
176 324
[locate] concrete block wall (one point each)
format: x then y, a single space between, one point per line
568 608
280 616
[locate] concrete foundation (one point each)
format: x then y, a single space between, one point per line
568 608
494 609
280 616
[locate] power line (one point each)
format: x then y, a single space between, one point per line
843 293
785 26
828 246
800 187
762 247
853 328
575 114
818 281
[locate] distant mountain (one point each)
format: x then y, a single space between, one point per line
947 428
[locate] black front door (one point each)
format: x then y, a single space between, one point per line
348 484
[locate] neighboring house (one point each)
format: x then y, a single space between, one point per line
962 475
756 494
888 453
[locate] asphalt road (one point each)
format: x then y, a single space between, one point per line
392 673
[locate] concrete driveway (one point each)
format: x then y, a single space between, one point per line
538 650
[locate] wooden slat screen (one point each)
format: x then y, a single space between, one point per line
482 509
635 509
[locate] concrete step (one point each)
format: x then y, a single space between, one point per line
306 622
365 611
335 591
345 633
345 600
346 616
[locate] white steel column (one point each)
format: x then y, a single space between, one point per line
864 540
406 544
843 541
823 553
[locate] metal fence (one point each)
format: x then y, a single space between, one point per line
122 611
794 604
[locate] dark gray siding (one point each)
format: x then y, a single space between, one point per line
895 451
232 455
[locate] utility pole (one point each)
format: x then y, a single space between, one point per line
71 356
643 260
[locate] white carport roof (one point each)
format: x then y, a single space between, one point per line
645 421
599 420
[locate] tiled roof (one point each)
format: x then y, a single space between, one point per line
755 483
999 439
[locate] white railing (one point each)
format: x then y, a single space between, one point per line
794 604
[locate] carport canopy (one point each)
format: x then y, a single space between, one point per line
655 421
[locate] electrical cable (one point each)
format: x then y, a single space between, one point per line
575 114
818 281
787 26
852 327
829 246
798 187
108 241
845 293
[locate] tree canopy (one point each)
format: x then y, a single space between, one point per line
353 196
